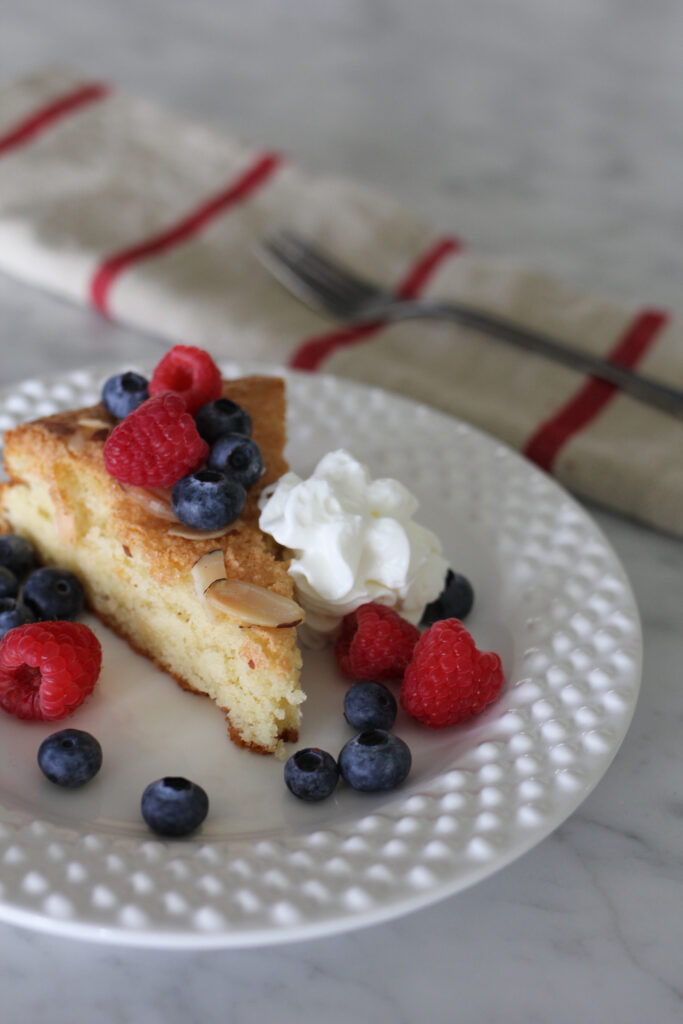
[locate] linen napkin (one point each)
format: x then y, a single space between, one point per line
114 202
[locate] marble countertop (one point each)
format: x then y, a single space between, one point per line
546 131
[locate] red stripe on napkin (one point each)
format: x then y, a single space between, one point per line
553 434
44 117
242 188
310 354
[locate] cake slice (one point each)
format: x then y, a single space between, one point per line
140 570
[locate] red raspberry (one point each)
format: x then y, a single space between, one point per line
448 679
47 669
156 444
191 373
375 643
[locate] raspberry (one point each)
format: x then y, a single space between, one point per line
191 373
156 444
375 643
47 669
448 679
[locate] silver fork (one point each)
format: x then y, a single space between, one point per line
324 284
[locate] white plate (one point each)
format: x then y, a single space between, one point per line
552 599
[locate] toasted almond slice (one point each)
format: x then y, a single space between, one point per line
162 493
205 571
156 502
190 533
64 519
251 605
76 442
93 423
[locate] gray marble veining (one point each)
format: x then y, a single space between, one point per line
544 131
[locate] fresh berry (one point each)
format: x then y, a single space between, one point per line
208 500
12 614
54 594
448 679
174 806
311 774
239 456
156 444
454 602
47 669
17 554
70 758
191 373
123 393
222 417
375 643
375 760
9 584
369 706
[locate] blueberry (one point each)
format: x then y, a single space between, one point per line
222 417
374 760
123 393
70 757
311 774
208 499
9 584
239 456
17 554
12 614
174 806
54 594
369 706
454 602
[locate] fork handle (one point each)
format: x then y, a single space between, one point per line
644 389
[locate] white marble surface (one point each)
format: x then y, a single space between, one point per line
547 130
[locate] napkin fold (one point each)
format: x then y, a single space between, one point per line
117 203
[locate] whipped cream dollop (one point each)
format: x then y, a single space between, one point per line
352 539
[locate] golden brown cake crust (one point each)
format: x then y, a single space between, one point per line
249 553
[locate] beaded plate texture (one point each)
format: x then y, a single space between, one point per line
551 598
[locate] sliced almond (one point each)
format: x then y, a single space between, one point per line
93 423
64 519
162 493
76 443
190 533
157 502
251 605
205 571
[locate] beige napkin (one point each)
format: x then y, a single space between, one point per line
114 202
